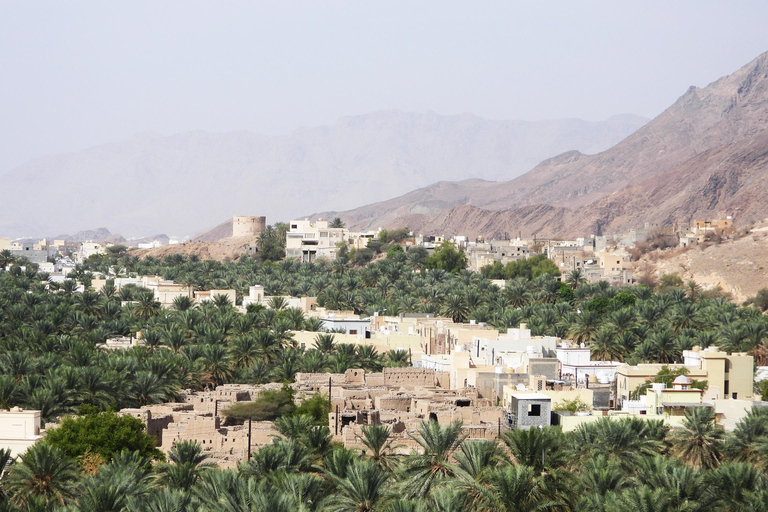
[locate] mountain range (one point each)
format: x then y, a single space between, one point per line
183 183
705 156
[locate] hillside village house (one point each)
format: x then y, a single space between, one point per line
701 228
481 254
306 240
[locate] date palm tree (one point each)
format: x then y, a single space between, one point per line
455 307
585 326
541 449
424 470
700 441
575 279
362 490
605 346
379 443
187 464
44 472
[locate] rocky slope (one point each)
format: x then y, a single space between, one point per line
704 156
182 183
739 267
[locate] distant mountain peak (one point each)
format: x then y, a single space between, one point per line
705 155
182 182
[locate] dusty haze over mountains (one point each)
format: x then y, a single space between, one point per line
705 156
187 182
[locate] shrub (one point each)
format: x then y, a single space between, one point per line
269 405
103 434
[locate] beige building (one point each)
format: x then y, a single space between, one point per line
703 227
243 225
400 398
19 429
202 296
166 291
728 376
199 417
306 240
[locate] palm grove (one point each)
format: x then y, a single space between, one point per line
49 361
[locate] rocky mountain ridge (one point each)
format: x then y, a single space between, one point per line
704 156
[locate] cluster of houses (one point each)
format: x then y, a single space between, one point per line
597 257
489 380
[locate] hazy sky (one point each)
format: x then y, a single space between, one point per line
75 74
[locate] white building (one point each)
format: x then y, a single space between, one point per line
577 364
508 350
19 429
360 327
88 249
307 240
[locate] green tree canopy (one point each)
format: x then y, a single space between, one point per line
447 258
102 433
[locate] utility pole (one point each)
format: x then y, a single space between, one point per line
249 437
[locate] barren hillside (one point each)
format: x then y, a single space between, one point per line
222 250
738 266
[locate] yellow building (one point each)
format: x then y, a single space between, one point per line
727 375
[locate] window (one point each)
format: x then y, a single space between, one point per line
353 331
534 409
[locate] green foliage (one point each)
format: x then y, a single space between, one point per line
566 293
624 299
575 405
762 389
102 433
393 250
447 258
317 407
600 305
272 243
668 282
393 236
760 300
529 268
361 257
269 405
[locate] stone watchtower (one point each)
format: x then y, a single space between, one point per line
243 225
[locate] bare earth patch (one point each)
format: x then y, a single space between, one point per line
739 266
